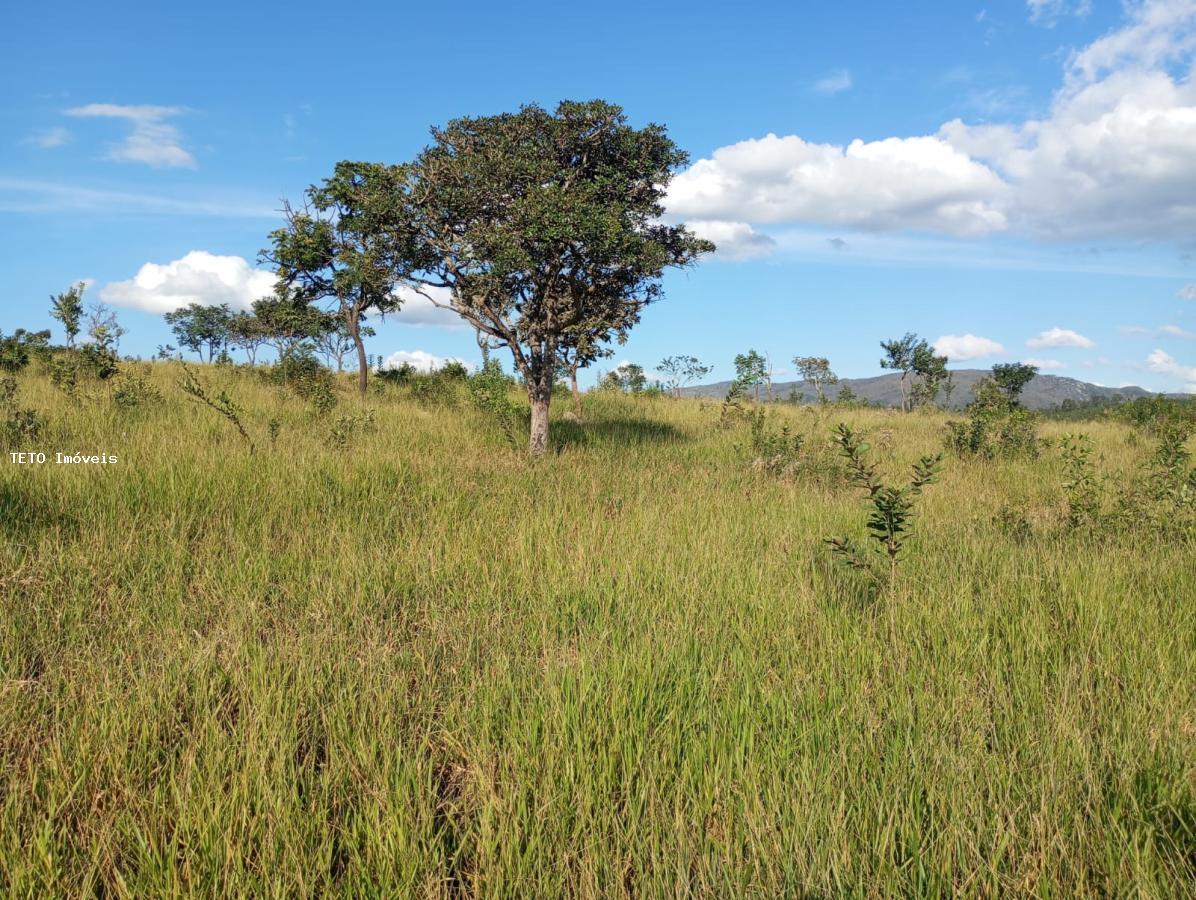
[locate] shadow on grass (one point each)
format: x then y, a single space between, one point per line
27 510
622 432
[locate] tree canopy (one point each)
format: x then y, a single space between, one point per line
340 247
546 230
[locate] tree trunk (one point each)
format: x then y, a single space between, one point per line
576 392
363 365
540 395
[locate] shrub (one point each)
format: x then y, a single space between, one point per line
134 389
20 424
17 349
995 427
775 452
490 391
302 374
1081 487
345 428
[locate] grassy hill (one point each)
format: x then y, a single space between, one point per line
401 659
1043 392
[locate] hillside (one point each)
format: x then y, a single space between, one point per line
1044 392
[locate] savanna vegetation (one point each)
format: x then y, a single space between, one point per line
298 642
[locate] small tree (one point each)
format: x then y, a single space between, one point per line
1012 379
103 328
930 370
546 230
680 371
627 377
246 332
198 327
288 325
67 308
899 356
335 343
891 518
816 370
751 370
339 248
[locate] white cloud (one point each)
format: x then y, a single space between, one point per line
421 312
1159 31
49 138
960 347
153 141
919 183
199 277
1112 158
1061 337
833 82
1044 363
1134 329
421 360
733 240
1187 292
1164 363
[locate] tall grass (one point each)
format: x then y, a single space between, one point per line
420 664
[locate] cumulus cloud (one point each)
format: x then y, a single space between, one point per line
199 277
960 347
733 240
1061 337
421 360
920 183
1187 292
1164 363
833 82
421 312
1113 157
152 141
1044 363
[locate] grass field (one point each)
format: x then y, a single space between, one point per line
421 664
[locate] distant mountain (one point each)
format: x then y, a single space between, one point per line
1044 392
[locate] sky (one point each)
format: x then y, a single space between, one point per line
1011 180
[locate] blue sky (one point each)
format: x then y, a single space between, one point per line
1011 180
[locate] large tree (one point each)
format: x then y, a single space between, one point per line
545 227
338 248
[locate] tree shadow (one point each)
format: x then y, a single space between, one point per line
612 432
27 510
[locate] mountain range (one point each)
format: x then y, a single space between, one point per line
1043 392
